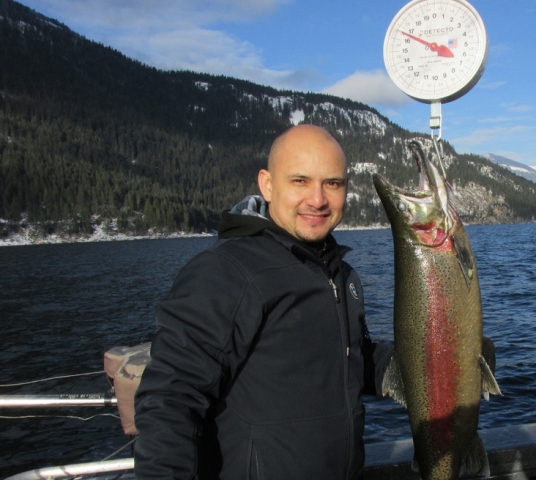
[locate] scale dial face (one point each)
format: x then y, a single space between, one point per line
436 50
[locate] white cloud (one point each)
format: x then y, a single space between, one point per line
492 85
372 88
191 48
508 120
210 51
516 156
495 120
486 135
134 14
521 108
499 50
178 34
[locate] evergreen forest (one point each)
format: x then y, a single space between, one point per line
90 137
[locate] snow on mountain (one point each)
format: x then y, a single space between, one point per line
520 169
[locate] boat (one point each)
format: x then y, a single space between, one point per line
511 450
123 367
511 455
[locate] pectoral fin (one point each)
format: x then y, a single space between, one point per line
488 352
489 384
465 257
392 384
487 366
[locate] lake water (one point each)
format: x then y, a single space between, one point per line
63 306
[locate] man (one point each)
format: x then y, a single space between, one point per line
262 353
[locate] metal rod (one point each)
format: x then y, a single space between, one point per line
435 127
63 400
76 469
435 119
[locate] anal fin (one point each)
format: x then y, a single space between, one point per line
392 384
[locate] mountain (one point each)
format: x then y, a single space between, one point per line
92 141
519 168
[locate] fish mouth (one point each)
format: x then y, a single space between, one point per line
427 171
427 210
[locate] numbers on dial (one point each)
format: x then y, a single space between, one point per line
435 49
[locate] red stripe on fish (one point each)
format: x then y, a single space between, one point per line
442 367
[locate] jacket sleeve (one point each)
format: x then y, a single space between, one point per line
200 342
376 357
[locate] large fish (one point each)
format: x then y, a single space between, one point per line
438 370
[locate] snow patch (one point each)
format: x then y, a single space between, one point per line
29 234
297 117
364 168
202 85
352 196
516 169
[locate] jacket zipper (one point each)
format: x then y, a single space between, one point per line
338 299
346 326
335 290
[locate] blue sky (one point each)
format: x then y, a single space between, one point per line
325 46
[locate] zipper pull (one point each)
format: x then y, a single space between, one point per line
335 290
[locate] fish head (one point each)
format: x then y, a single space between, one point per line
423 216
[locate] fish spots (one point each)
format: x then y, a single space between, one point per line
442 366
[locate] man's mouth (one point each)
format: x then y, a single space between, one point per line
314 217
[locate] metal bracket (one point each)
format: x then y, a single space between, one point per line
435 119
435 126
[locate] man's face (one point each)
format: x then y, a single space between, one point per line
306 187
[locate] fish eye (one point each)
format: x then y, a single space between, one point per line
402 207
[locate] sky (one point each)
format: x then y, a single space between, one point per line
327 46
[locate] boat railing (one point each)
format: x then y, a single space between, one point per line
91 468
61 400
123 367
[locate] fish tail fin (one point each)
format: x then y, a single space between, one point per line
392 384
476 461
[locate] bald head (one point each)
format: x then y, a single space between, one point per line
305 182
297 138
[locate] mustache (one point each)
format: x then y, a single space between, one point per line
323 211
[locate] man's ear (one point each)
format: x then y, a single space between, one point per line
265 184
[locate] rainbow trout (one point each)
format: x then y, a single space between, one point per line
438 370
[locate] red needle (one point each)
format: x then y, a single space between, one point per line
441 50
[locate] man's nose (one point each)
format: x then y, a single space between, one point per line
317 197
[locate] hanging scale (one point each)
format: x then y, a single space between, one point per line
435 51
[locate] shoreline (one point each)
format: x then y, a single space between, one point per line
27 237
30 238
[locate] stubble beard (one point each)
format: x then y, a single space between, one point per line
311 236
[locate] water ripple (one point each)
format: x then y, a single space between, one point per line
63 306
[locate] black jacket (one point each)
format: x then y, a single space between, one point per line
259 364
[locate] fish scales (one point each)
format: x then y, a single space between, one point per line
442 339
437 325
